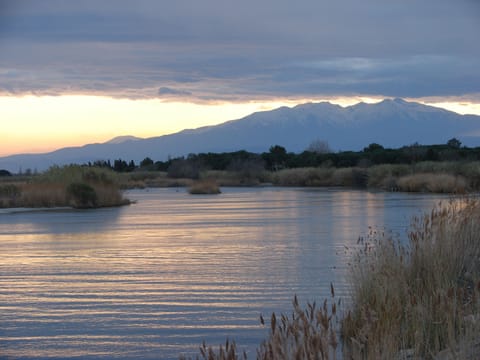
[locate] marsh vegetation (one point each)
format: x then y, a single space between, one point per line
72 186
447 168
427 177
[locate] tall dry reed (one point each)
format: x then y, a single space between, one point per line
310 333
422 297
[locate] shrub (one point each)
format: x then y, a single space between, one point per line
81 195
471 171
184 168
9 194
384 176
343 177
303 177
9 190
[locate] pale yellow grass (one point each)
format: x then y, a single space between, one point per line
434 183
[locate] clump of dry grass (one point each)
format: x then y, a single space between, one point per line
230 352
204 187
309 333
422 297
434 183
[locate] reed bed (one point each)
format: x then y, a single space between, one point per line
421 298
74 186
433 177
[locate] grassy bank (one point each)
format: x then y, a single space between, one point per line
73 186
418 299
434 177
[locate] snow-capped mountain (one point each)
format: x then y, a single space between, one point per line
391 123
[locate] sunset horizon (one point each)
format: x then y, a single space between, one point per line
72 74
137 118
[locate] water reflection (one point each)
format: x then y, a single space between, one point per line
58 221
158 277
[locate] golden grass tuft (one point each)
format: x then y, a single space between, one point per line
204 187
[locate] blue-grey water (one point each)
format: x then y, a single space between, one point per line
155 279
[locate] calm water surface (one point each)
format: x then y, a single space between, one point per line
157 278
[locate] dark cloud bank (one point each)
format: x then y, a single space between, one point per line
222 50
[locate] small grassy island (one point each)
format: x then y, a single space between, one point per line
204 187
68 186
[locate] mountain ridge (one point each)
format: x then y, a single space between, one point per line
122 138
391 123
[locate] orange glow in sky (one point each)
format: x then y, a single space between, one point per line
40 124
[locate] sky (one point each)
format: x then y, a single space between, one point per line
76 72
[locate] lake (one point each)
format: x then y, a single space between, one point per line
153 280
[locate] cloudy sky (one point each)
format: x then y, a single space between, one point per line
73 72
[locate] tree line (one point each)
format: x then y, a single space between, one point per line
318 154
277 158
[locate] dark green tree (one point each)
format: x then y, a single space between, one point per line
147 162
454 143
276 157
373 147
